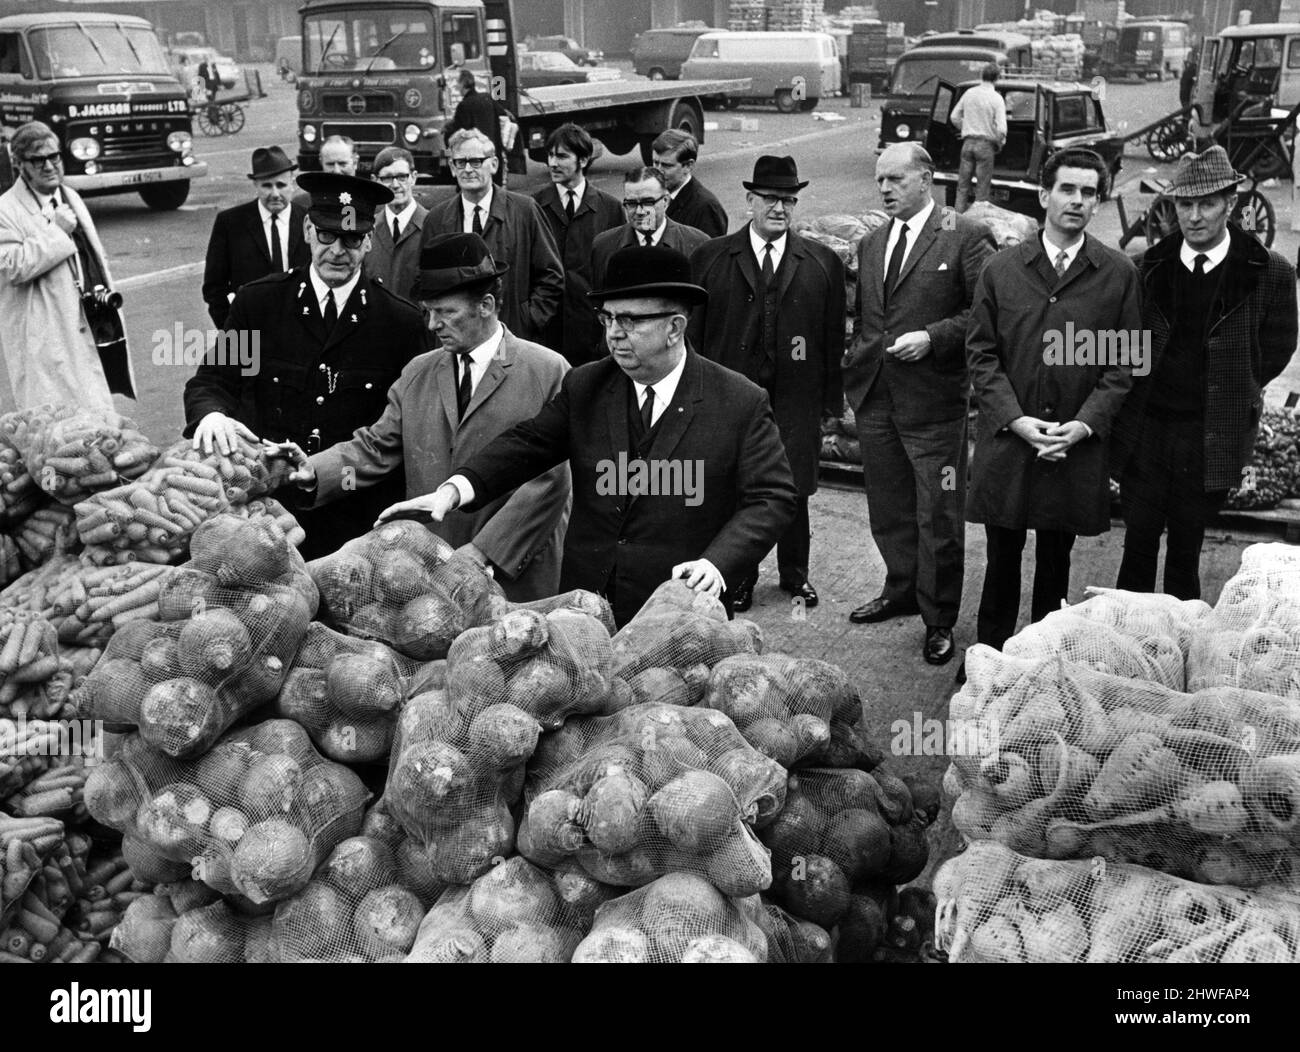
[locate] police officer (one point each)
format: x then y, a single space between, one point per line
328 343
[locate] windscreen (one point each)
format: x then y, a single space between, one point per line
919 76
370 38
96 50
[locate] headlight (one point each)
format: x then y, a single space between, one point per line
180 141
309 133
411 133
903 131
84 149
91 168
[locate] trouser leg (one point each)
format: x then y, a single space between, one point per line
1000 599
1051 571
891 495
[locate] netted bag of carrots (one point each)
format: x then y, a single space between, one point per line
51 698
48 531
841 833
995 905
676 637
19 494
681 918
654 789
89 603
29 656
72 452
802 712
513 914
1074 764
253 818
70 903
791 940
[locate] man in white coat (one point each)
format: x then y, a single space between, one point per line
49 255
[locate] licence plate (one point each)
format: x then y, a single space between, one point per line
150 176
1000 193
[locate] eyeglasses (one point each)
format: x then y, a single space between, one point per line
633 203
628 322
461 163
772 200
328 237
400 177
48 160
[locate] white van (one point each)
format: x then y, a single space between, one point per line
793 70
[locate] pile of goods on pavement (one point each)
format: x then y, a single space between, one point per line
1132 787
1059 55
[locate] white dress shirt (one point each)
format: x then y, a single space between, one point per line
1213 256
758 245
1055 250
281 229
663 391
341 294
577 192
655 238
914 226
403 217
468 207
481 355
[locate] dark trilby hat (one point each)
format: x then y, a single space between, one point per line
654 270
343 203
775 173
453 261
269 161
1199 174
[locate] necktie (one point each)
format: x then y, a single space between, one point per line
768 269
464 388
397 230
1061 265
331 314
648 240
569 206
896 261
478 221
277 254
647 409
1198 265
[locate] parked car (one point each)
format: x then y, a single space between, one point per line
793 70
227 68
544 69
659 53
1041 119
568 47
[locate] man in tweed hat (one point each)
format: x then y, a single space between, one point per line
1221 311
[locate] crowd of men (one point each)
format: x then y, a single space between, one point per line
500 363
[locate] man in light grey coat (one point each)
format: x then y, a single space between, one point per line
450 403
49 254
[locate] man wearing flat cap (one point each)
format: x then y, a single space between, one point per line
776 315
447 405
1221 312
328 344
678 468
252 240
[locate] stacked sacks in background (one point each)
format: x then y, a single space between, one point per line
232 621
254 817
996 906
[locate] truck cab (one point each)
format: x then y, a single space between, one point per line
1258 64
103 83
1150 49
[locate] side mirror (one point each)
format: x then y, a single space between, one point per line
457 54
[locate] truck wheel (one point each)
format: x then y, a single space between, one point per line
656 74
166 197
785 101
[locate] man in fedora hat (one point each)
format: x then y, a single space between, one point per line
325 344
677 464
1220 309
446 406
776 315
260 237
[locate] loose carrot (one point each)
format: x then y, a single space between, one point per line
9 958
39 928
87 954
31 644
12 647
120 882
16 941
101 534
48 803
68 465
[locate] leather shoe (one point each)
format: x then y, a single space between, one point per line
742 597
939 648
804 591
882 609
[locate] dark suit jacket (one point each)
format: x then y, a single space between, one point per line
809 334
934 292
697 206
396 265
483 112
516 233
685 239
719 424
238 253
573 331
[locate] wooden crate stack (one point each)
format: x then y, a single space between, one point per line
747 14
794 14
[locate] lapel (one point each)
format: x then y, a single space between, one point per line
258 234
872 262
793 255
352 314
550 200
925 237
677 417
616 418
497 213
414 226
493 377
743 256
306 307
444 379
296 216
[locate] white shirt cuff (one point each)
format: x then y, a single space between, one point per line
463 487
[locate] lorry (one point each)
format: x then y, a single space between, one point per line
384 73
103 83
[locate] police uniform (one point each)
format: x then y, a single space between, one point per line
312 385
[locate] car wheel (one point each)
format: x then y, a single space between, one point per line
785 101
166 197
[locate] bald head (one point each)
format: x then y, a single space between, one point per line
904 174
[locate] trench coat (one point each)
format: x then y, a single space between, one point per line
44 337
520 532
1018 302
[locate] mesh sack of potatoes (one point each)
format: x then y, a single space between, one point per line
513 914
232 621
578 600
996 906
680 918
799 711
454 774
791 940
654 789
346 692
680 631
405 586
254 817
1075 764
1144 616
183 921
1271 556
839 833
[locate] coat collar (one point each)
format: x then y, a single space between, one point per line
1246 262
445 378
351 314
1091 254
742 252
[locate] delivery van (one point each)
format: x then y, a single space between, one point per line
793 70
